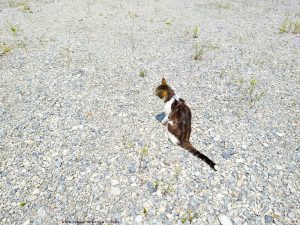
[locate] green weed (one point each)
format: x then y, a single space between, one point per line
23 6
252 94
155 183
290 26
5 49
167 188
168 22
144 152
68 57
22 204
177 171
198 55
13 29
196 32
220 5
145 212
142 73
189 216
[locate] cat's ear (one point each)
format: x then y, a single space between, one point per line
163 81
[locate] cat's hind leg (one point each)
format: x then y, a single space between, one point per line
171 136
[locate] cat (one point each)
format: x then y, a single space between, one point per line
178 121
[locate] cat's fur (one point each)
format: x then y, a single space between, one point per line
178 121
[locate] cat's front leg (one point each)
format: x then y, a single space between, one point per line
165 120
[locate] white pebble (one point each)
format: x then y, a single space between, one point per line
115 191
279 134
138 219
27 222
225 220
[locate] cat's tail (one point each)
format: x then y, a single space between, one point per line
188 146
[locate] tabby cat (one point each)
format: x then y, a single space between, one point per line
178 121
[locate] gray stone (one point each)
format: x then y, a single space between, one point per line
268 219
151 187
132 168
228 154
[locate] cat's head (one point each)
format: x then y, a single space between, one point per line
164 91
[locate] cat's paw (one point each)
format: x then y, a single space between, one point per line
164 123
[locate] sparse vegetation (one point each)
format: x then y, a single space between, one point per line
5 49
241 81
177 171
68 57
220 5
167 188
132 15
210 46
189 216
198 55
23 6
196 32
22 204
217 5
252 95
168 22
145 212
144 152
22 44
290 26
13 29
155 183
142 73
143 155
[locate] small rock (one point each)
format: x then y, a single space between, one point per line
114 182
37 222
27 222
298 155
225 220
291 215
162 209
159 194
144 164
58 163
32 198
26 163
29 142
35 191
268 219
138 219
265 145
51 188
132 179
69 178
210 219
41 212
61 188
228 154
279 134
194 203
132 168
151 188
115 191
170 216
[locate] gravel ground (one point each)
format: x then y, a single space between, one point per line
78 134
